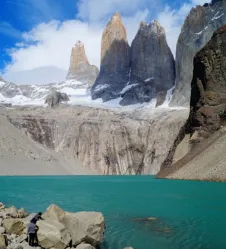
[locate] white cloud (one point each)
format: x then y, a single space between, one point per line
49 44
96 10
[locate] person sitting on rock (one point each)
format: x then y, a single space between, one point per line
37 218
32 233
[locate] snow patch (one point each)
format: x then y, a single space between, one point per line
148 79
2 83
100 87
128 87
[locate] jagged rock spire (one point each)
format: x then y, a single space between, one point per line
80 69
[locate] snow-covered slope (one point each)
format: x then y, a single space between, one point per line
35 94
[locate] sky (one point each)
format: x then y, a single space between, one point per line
36 36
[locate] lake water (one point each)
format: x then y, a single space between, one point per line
190 214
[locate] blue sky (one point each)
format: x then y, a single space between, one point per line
40 33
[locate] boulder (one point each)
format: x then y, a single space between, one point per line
12 212
13 226
22 213
2 230
85 246
52 233
21 238
86 227
2 241
80 69
115 61
55 98
1 221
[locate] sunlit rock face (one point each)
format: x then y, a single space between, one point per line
80 69
115 61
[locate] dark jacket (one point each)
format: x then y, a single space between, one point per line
36 218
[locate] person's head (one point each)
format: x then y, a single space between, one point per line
40 213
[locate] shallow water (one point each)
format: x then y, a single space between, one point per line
190 214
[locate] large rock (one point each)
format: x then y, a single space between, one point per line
196 32
80 69
152 66
208 98
85 227
115 61
13 226
85 246
55 98
53 234
2 241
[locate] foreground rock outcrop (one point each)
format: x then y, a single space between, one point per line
115 61
80 69
58 230
208 96
152 66
197 31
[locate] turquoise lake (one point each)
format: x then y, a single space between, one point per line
190 214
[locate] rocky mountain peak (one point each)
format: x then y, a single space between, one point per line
115 61
152 66
116 17
78 55
80 69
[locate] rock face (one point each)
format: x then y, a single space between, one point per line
55 98
208 95
197 30
152 66
105 141
115 61
80 69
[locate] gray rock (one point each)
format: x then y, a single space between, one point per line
21 238
55 98
115 61
2 241
13 226
85 246
52 233
2 230
86 227
152 65
197 30
80 69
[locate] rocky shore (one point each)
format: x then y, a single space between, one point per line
57 230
